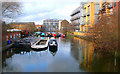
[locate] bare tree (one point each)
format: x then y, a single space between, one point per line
10 9
105 33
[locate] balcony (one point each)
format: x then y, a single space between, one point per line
75 12
88 14
77 24
83 15
87 23
82 23
77 28
110 5
71 19
75 18
100 9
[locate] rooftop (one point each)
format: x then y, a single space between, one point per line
20 22
13 30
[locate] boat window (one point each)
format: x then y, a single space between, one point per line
52 41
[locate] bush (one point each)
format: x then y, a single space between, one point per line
105 33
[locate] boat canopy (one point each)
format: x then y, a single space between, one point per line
43 34
37 32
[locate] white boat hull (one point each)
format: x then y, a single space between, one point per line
35 46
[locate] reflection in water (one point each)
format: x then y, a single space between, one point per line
90 60
53 50
72 55
12 51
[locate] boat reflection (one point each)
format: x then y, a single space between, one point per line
43 49
53 50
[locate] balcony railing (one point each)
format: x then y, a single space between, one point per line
83 15
75 18
77 28
110 5
87 22
88 14
75 12
100 9
71 19
77 23
82 23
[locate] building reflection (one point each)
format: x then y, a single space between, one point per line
9 53
85 53
90 60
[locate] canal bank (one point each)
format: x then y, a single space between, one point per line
7 47
113 52
88 38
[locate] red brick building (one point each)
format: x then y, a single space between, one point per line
23 26
13 34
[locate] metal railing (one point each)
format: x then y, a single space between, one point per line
75 18
82 23
110 5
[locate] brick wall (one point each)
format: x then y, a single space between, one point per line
13 35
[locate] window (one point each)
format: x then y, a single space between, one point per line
11 36
82 29
115 11
19 34
14 36
114 4
7 38
85 28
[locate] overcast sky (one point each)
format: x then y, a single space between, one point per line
47 9
38 10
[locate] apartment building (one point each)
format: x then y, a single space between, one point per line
51 25
89 14
106 8
116 7
75 19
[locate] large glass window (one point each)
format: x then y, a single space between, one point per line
82 28
19 35
85 28
114 4
14 36
11 36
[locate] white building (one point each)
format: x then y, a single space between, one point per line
75 19
51 25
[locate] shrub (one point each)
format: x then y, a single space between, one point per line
105 33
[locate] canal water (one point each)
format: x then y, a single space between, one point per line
73 55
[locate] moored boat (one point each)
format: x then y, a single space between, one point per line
53 43
40 44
